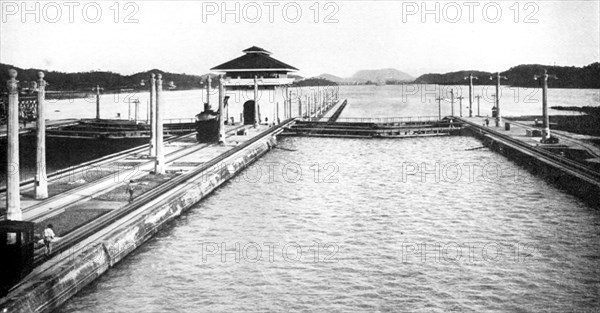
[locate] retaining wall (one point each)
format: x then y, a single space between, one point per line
49 289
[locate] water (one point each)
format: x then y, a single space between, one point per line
420 100
363 101
474 233
370 211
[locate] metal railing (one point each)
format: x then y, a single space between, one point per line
172 120
384 120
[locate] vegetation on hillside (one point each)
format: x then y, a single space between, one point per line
522 76
314 82
85 81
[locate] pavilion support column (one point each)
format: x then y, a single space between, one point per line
285 108
159 165
288 104
152 115
208 82
13 200
309 101
221 112
299 108
255 101
41 181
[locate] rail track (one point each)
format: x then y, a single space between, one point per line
93 227
546 156
99 162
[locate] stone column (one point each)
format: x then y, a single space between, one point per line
152 115
41 181
159 165
13 200
546 121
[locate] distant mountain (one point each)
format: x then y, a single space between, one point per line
382 75
333 78
295 77
522 76
314 81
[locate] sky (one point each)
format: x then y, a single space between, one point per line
336 37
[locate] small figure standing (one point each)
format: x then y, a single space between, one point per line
130 190
48 237
487 121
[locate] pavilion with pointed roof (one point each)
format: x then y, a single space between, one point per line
256 84
257 62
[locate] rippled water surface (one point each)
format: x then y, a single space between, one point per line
334 225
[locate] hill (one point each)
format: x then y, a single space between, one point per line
454 78
110 81
314 81
332 78
381 75
522 76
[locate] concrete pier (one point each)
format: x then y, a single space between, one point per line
572 165
84 254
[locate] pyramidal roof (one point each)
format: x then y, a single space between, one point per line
255 49
254 59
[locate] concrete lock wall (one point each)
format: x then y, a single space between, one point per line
586 190
61 281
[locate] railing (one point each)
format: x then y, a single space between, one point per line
259 81
384 120
173 120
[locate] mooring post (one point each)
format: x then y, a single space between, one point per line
152 115
498 114
159 165
13 200
546 117
452 101
97 89
221 111
255 101
41 183
471 77
478 97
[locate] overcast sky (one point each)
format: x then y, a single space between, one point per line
345 36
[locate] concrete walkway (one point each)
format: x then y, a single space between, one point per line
97 178
117 198
568 141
